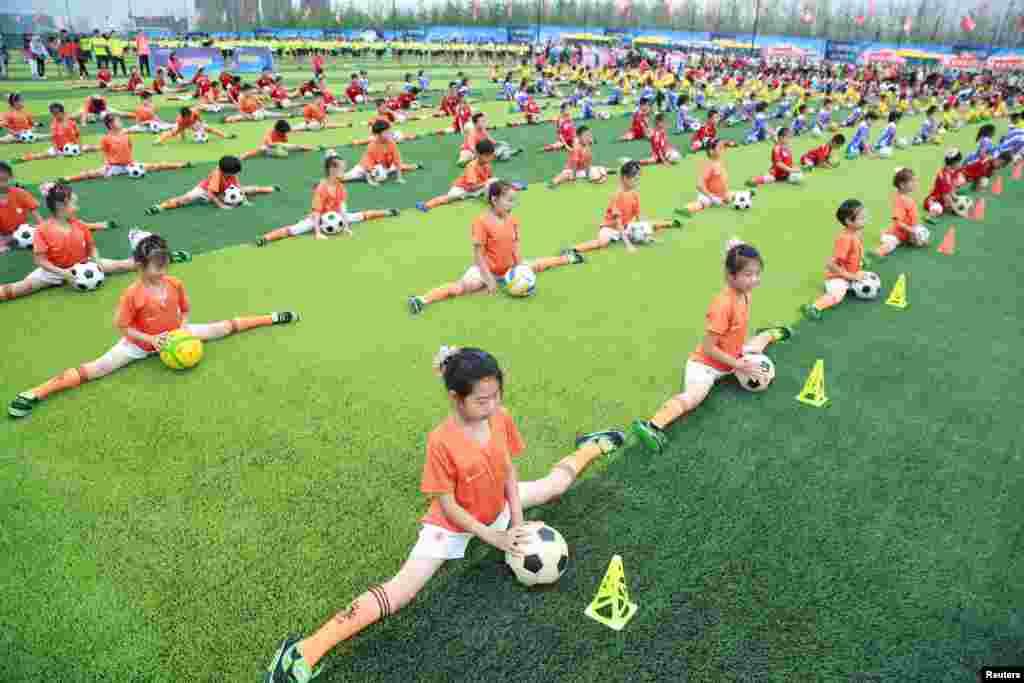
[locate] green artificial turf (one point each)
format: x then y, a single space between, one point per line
162 526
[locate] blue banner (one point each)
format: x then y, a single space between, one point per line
191 59
521 34
843 51
251 60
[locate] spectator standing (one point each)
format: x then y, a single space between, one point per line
142 50
38 54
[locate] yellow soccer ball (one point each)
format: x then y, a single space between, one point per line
182 351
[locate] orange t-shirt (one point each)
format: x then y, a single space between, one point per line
580 158
217 182
144 114
716 180
499 239
16 121
624 208
728 317
273 137
117 149
847 254
63 248
249 104
192 119
64 132
457 464
904 212
476 174
15 206
312 112
381 154
329 196
151 312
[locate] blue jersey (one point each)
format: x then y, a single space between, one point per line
587 106
985 148
683 119
648 93
616 96
799 124
701 98
424 83
408 87
509 90
854 116
860 138
887 137
463 90
927 128
824 118
364 83
521 97
1013 141
760 123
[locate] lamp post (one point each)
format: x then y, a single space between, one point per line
757 18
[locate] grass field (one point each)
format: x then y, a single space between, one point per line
171 527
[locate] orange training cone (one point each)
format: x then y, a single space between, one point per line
1017 171
979 209
948 245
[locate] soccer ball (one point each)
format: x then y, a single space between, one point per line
26 136
330 154
360 99
233 195
23 236
921 235
544 557
603 115
215 108
380 174
983 183
902 143
741 201
598 174
521 281
71 150
136 170
885 152
640 232
934 209
44 188
503 152
182 351
154 126
796 178
330 222
673 155
87 276
751 384
259 115
200 136
868 287
963 204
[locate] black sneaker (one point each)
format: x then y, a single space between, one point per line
393 212
608 440
285 317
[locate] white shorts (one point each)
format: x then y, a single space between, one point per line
54 152
127 348
473 274
197 194
889 240
306 224
45 278
699 373
837 287
611 234
582 175
457 192
111 171
437 543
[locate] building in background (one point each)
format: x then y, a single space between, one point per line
315 6
164 23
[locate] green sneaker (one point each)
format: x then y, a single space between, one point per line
393 212
22 405
676 223
153 210
653 439
684 212
113 225
285 317
575 257
608 440
288 664
180 257
262 242
416 305
751 184
781 333
810 312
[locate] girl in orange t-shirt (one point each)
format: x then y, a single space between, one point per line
190 120
276 145
472 480
622 216
328 196
116 146
495 236
155 305
63 133
845 266
60 243
250 106
211 189
382 159
314 117
474 181
146 118
906 228
713 181
17 121
725 348
580 163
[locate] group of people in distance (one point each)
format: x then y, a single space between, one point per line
469 473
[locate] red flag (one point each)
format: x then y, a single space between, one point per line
476 10
871 8
668 8
625 7
508 8
807 18
860 20
1020 23
908 24
967 24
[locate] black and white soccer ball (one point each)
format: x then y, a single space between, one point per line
154 126
544 558
87 276
24 236
200 136
26 136
742 200
767 366
136 170
867 288
963 204
71 150
330 223
640 232
233 196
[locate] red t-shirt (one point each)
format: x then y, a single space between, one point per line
781 156
639 125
